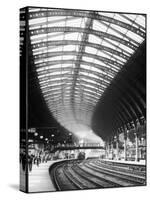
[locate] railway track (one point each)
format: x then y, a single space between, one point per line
128 177
90 174
126 169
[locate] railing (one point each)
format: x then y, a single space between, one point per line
76 146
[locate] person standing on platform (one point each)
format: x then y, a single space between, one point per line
30 159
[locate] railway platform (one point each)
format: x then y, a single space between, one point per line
141 162
39 178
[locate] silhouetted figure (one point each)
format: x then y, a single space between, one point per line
23 161
30 159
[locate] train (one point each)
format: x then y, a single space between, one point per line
81 156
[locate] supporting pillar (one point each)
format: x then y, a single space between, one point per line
137 133
112 150
125 143
117 147
136 148
106 150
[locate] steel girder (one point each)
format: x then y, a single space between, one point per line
58 93
58 102
71 61
102 80
65 82
48 73
64 87
61 53
60 112
93 15
76 89
88 108
120 33
82 30
55 43
51 22
129 107
133 22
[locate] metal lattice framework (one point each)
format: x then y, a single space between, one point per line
77 54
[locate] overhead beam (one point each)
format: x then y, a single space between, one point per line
77 13
55 43
71 61
52 54
70 29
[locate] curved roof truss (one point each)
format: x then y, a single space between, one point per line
77 54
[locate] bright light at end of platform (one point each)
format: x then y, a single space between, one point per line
89 136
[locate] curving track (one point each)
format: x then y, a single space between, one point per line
90 174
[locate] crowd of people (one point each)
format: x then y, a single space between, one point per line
32 159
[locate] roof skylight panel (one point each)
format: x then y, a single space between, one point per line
84 67
50 21
41 50
86 79
129 50
36 21
50 85
91 96
61 72
96 70
44 38
90 86
141 20
87 59
113 32
103 54
91 92
74 36
105 43
90 50
99 61
132 16
120 29
88 73
78 22
136 37
51 68
120 60
97 25
115 44
52 58
69 48
94 39
122 19
134 22
122 46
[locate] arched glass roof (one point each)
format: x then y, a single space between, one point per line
77 54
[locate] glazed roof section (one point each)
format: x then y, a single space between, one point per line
77 54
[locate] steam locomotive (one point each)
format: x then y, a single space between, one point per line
81 156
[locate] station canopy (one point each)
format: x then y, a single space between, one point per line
77 54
